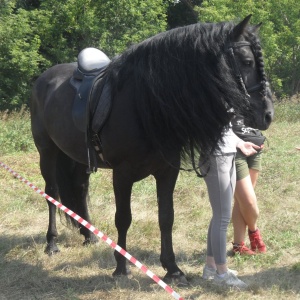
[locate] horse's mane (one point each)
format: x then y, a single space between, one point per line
183 86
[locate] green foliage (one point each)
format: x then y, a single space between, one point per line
37 34
15 134
287 111
19 57
122 23
66 27
280 35
286 61
181 13
28 4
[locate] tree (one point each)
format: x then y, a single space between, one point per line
71 25
286 19
38 34
181 13
280 35
122 23
19 58
28 4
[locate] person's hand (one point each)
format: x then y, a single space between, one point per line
298 148
249 148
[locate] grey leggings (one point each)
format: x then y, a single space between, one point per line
220 180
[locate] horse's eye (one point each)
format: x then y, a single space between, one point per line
248 63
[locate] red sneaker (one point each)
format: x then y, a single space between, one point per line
256 241
242 249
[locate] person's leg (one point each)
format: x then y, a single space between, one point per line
210 261
254 176
220 182
245 210
205 168
255 235
245 213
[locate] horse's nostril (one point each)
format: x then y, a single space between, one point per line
268 117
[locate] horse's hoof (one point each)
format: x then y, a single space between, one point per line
90 241
125 272
177 278
51 250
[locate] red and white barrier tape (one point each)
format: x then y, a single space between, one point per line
104 237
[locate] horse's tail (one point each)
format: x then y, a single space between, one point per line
73 183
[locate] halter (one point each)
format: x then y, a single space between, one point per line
237 72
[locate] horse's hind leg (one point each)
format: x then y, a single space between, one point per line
73 184
48 170
80 190
165 183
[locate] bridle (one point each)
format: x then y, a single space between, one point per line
261 86
247 90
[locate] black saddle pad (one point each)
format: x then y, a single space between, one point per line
92 101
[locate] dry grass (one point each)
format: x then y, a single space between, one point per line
84 273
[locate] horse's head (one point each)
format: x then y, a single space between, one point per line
246 60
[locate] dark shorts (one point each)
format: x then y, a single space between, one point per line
244 163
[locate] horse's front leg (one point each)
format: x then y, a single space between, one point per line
165 182
122 189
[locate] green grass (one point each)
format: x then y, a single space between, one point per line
84 273
288 110
15 134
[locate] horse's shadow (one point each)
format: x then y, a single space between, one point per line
34 281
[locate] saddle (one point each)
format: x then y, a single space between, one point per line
91 64
92 102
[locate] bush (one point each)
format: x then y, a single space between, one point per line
15 134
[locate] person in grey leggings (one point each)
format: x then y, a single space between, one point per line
219 174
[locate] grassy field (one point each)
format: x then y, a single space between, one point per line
84 273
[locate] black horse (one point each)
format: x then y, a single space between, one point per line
172 95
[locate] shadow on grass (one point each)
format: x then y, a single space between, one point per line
281 280
22 280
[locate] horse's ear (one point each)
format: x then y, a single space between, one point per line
238 30
255 29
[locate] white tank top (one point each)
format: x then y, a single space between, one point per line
229 142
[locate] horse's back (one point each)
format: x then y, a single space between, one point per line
50 80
